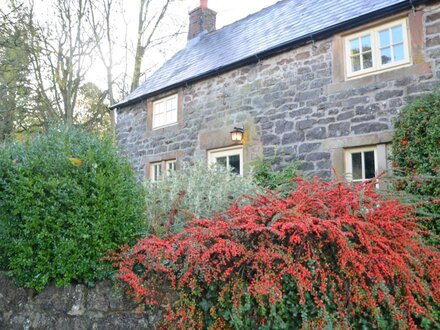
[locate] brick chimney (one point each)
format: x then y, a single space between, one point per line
201 19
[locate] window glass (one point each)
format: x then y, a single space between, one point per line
361 164
366 43
384 38
369 164
356 63
397 34
377 48
170 165
385 55
354 46
231 158
367 60
222 161
234 163
356 161
399 52
165 111
156 171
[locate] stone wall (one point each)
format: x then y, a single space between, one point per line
296 104
76 307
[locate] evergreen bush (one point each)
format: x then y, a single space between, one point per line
416 154
66 197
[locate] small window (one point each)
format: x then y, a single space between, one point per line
231 158
165 112
360 164
380 48
158 169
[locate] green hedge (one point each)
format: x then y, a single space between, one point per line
416 153
66 197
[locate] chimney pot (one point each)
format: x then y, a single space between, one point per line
203 3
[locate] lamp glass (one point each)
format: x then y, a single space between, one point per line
236 135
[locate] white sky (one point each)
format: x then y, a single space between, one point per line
228 11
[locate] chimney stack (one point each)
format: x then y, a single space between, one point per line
201 19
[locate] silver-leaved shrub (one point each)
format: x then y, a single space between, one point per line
194 190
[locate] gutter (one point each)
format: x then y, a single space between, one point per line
318 35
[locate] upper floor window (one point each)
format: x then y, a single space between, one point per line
379 48
231 158
165 112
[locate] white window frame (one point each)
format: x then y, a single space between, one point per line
155 167
226 152
167 121
170 166
163 167
349 165
375 47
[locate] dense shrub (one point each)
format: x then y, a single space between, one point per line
416 153
66 197
326 256
267 177
195 190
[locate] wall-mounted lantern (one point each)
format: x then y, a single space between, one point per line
237 134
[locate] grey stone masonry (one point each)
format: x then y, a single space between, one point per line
73 307
297 104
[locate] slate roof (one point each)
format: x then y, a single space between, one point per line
281 25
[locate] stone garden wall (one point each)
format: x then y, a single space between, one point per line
76 307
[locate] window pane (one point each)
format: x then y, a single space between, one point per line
221 161
385 55
171 166
356 163
355 63
370 170
234 163
354 46
366 43
384 37
367 60
398 52
397 34
157 171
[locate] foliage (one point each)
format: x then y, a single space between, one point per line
14 68
65 199
326 256
416 153
195 190
268 178
93 113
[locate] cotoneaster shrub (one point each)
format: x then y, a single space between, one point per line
416 154
194 190
66 197
327 256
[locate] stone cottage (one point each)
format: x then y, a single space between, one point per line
315 80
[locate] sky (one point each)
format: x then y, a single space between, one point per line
228 11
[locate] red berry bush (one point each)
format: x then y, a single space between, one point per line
326 256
